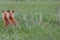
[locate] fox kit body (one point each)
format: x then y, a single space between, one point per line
5 18
12 20
8 18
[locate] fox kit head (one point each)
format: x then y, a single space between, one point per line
5 14
11 13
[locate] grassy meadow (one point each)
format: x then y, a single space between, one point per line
36 20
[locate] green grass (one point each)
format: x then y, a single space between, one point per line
37 21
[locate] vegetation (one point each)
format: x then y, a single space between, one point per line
37 21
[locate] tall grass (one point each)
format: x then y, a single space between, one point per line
37 21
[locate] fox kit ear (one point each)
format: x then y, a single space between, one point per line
2 11
12 11
8 10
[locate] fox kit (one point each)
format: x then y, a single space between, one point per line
12 20
5 18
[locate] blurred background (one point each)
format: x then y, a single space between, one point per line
37 20
32 0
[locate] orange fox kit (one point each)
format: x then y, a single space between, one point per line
5 18
12 20
8 18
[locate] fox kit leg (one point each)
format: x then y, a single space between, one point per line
14 22
6 23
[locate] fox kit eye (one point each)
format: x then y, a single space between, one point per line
2 10
8 10
12 11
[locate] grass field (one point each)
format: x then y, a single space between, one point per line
37 21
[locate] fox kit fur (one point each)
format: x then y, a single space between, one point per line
12 20
5 18
8 18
